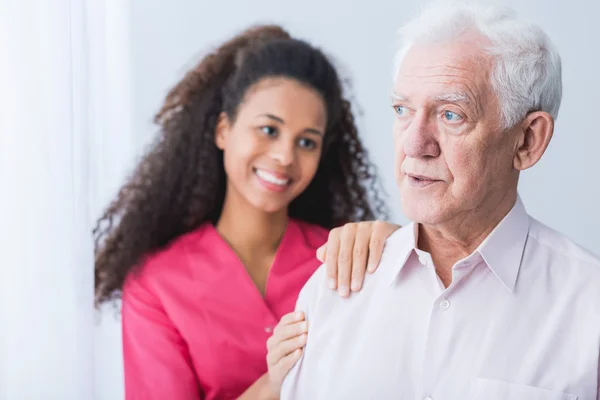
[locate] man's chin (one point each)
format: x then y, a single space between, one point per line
421 211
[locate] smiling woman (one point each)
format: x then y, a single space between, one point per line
271 158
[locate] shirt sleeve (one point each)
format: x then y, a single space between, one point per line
157 363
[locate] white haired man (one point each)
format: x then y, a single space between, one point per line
474 299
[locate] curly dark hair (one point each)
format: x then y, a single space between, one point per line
180 182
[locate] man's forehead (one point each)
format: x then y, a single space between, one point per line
447 60
440 82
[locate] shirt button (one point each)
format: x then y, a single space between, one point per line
444 304
268 329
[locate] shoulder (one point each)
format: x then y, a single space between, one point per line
166 264
313 293
316 295
569 261
560 245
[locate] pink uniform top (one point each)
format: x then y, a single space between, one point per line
195 325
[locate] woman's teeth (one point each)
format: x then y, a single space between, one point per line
269 177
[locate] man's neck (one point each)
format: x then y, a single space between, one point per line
456 239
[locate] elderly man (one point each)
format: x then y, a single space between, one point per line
474 299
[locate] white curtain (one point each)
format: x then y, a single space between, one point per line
113 150
62 63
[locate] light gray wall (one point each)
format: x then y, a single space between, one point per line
563 190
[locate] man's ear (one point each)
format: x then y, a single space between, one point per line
221 130
535 132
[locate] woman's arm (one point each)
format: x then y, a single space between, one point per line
157 362
260 390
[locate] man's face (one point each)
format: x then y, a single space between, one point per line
452 156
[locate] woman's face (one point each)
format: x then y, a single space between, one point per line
272 149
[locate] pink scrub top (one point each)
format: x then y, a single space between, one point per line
195 325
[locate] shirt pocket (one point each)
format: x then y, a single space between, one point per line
489 389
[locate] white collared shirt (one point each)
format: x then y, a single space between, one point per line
520 321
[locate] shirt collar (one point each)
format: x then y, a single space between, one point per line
401 244
502 250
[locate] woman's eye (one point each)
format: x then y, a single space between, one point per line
268 130
308 143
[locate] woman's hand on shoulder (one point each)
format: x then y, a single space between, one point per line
352 250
